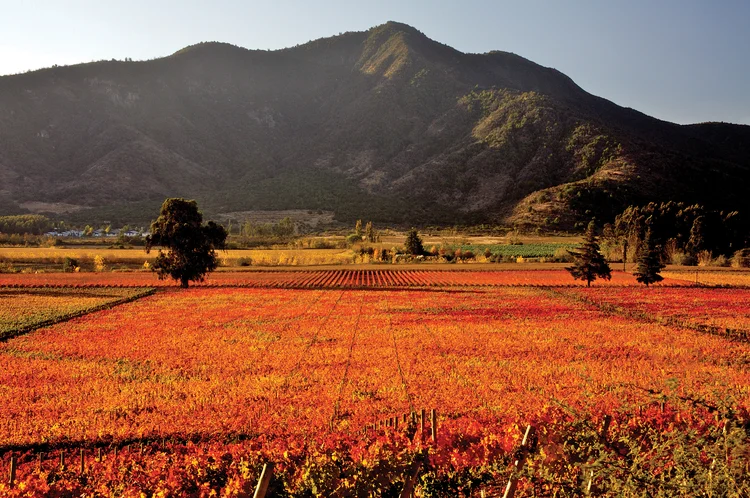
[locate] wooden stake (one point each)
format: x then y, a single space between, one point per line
115 453
265 479
433 423
395 423
83 463
510 489
605 427
99 454
39 461
591 482
421 421
12 470
62 460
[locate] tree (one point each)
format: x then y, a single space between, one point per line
370 234
414 243
589 263
191 245
648 261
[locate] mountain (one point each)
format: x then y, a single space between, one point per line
385 124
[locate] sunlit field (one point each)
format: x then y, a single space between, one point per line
380 278
188 392
137 257
24 309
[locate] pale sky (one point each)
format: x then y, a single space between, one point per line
680 60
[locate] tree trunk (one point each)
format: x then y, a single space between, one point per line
184 283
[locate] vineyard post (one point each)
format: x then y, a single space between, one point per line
264 481
421 421
510 489
433 423
395 423
602 438
12 470
605 427
62 459
83 463
99 454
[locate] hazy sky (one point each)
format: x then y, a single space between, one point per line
680 60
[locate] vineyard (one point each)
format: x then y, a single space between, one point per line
190 392
330 279
24 310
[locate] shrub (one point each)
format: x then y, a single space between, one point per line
720 260
246 261
70 265
99 263
683 259
741 259
562 255
704 258
467 255
353 238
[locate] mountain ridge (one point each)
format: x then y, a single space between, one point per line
384 124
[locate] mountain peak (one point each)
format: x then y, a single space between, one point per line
209 47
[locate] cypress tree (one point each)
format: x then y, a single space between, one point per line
414 243
648 262
589 263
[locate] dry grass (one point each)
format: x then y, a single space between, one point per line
714 276
282 257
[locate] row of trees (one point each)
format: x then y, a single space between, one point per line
191 246
35 224
366 234
690 229
590 264
283 229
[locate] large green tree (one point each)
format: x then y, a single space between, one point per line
649 261
589 263
190 245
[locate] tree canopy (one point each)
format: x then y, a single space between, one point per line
589 263
191 246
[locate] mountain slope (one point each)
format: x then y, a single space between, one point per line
385 124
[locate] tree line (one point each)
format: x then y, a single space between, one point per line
676 227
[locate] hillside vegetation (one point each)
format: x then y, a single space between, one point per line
385 124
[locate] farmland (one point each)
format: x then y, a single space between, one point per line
198 388
378 278
21 310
